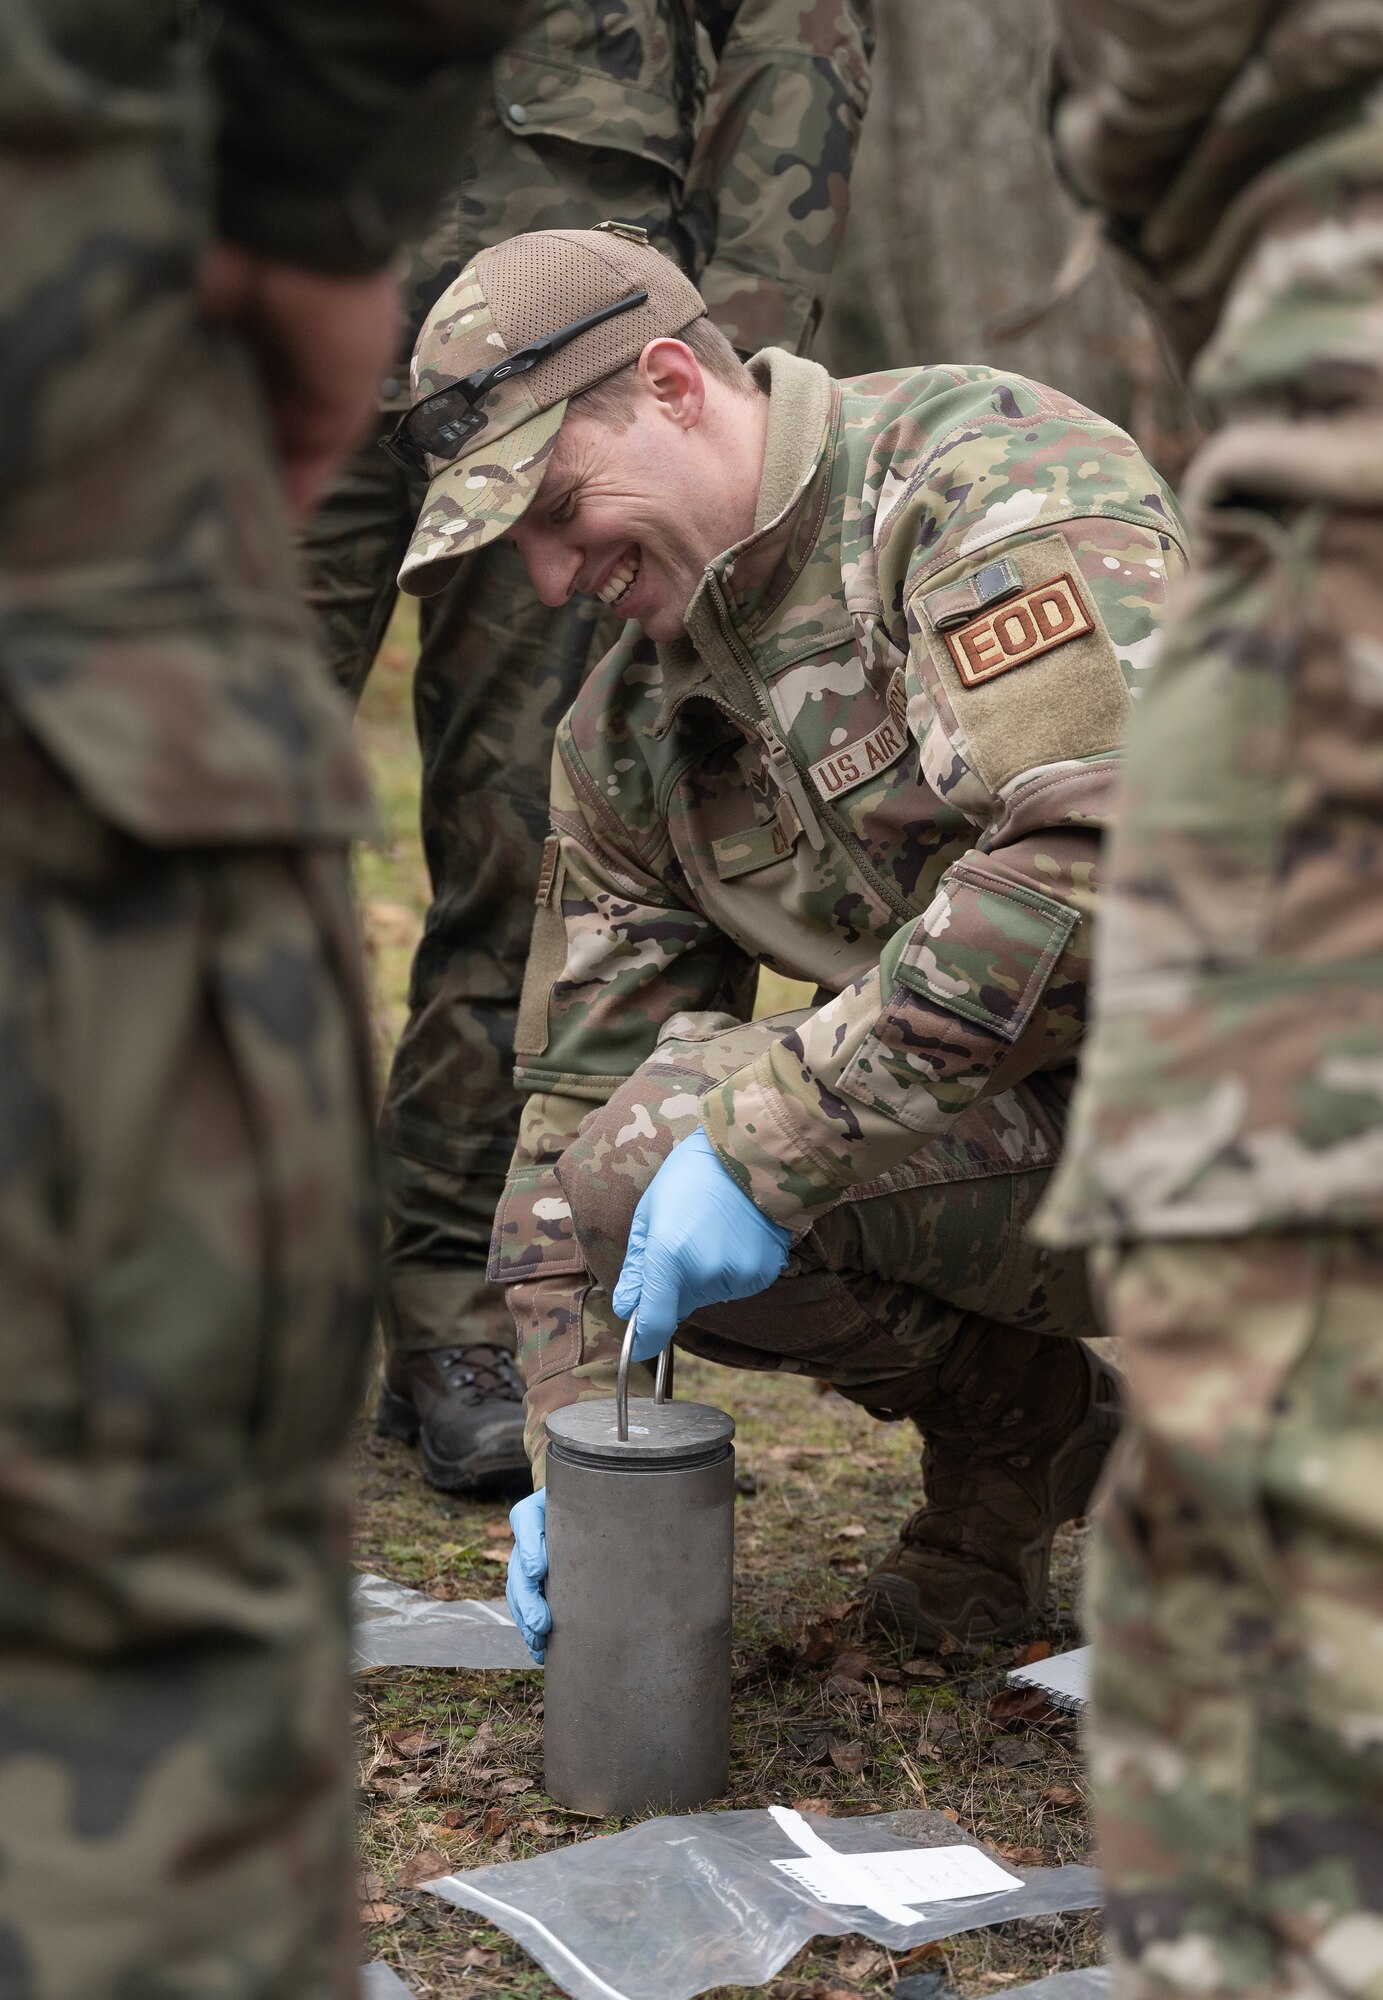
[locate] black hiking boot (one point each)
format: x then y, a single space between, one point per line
464 1407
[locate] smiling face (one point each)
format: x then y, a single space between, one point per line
633 515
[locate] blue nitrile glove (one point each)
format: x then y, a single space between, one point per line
527 1569
696 1241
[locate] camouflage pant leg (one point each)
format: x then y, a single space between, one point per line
496 672
878 1291
351 551
186 1214
1236 1602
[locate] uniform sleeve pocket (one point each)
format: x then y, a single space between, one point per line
982 950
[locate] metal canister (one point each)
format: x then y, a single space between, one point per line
641 1547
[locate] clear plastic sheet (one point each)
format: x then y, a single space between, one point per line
671 1907
1090 1984
1065 1677
398 1627
380 1982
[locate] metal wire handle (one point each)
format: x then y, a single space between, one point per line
662 1381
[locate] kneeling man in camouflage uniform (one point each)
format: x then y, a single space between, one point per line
863 729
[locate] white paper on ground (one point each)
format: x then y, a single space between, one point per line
1065 1677
394 1626
380 1982
890 1883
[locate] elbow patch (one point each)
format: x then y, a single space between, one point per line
1020 656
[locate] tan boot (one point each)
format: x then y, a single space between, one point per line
1017 1427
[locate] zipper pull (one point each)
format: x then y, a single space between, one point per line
788 779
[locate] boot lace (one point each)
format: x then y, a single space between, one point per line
480 1374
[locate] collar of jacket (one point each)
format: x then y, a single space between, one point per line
803 412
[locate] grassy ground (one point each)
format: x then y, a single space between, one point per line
451 1763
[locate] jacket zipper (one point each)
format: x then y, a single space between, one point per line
788 773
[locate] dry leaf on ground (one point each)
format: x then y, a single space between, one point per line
857 1961
1019 1857
924 1670
424 1867
1029 1655
415 1743
1013 1706
380 1913
1016 1750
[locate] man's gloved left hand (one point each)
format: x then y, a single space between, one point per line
696 1241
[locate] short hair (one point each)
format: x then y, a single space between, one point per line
612 401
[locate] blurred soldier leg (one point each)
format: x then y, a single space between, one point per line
496 672
1236 1735
918 1296
1237 1601
186 1210
1228 1127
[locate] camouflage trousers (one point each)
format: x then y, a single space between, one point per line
1236 1602
496 672
187 1220
883 1287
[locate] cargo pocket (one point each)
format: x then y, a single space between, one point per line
533 1236
534 1244
566 94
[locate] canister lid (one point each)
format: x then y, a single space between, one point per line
660 1434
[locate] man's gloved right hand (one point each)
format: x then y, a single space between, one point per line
527 1571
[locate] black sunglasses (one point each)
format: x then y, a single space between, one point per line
443 424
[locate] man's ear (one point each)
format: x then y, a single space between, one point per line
672 375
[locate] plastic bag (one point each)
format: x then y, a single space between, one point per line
398 1627
380 1982
671 1907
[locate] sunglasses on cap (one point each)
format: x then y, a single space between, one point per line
443 424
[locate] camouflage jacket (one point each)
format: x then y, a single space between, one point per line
1179 124
884 773
742 117
1230 1076
150 632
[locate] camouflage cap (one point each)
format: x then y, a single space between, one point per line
510 295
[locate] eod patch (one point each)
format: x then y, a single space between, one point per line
1023 628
